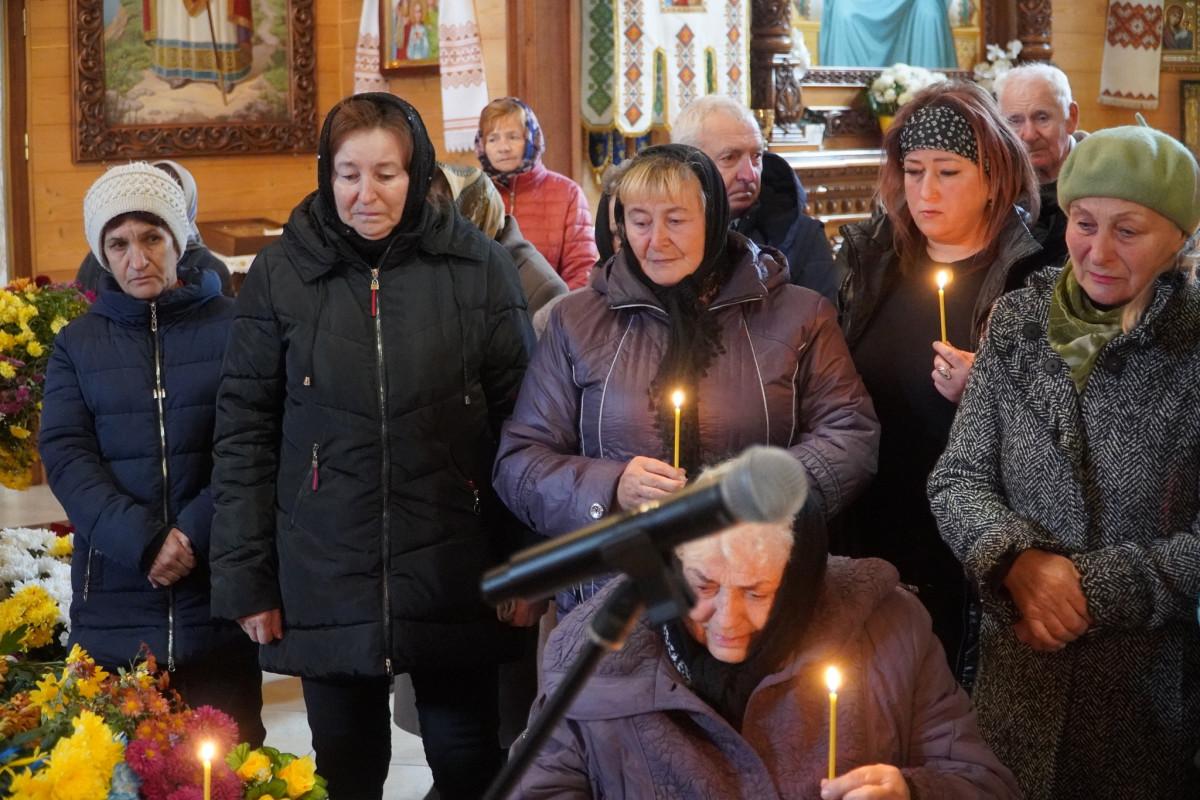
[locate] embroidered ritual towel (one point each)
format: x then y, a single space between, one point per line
367 77
464 84
1132 49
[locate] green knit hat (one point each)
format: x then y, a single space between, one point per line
1138 164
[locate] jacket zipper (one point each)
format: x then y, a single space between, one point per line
385 469
315 482
159 393
87 575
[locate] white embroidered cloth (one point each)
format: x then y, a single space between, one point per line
644 62
1132 53
464 83
367 77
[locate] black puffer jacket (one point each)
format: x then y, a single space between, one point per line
353 450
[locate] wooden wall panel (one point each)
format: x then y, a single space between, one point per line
230 186
1079 27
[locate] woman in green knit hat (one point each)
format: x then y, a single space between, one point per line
1069 489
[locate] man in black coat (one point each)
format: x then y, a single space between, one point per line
766 199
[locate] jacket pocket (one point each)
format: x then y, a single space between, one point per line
308 486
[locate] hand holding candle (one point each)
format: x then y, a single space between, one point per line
677 399
832 680
943 277
206 755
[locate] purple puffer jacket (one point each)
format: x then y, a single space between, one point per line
784 379
637 731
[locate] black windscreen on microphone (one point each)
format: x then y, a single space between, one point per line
763 484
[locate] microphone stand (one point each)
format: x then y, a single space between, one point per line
655 586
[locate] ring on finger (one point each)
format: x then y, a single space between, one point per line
944 371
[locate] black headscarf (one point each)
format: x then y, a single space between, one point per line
694 336
421 167
727 687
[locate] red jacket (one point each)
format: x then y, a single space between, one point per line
554 216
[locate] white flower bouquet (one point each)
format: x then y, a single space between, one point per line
999 61
38 557
896 85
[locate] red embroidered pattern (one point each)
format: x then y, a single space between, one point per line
1131 25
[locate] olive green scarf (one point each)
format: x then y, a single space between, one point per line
1077 330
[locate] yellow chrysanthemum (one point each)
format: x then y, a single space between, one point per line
300 776
18 432
80 766
34 348
61 547
45 696
256 767
57 324
7 370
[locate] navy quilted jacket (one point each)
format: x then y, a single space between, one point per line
104 454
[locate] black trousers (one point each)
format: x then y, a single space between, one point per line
230 681
352 731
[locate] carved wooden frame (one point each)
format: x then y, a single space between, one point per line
93 139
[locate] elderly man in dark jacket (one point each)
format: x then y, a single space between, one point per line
766 198
126 438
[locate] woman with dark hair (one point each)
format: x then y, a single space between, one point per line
686 305
957 190
1069 488
377 347
730 701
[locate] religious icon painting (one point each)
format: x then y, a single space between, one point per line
408 35
1179 46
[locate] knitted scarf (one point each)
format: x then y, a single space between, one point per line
1077 330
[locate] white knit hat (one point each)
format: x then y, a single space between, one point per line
134 187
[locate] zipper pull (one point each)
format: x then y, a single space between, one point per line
374 292
475 493
314 466
154 317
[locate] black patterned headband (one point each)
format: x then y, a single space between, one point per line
938 128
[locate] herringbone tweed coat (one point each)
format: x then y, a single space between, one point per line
1110 479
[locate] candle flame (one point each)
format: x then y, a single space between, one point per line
207 750
833 679
677 399
943 277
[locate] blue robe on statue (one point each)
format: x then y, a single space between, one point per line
883 32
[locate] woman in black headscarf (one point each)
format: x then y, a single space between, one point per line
376 350
685 306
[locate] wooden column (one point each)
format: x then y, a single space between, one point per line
1034 20
16 166
543 70
770 35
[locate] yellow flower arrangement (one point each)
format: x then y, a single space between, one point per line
27 619
31 315
80 766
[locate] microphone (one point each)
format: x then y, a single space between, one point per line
763 484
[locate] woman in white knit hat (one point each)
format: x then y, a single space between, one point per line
195 254
1069 489
126 437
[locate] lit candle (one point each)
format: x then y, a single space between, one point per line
677 398
206 754
943 278
832 679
